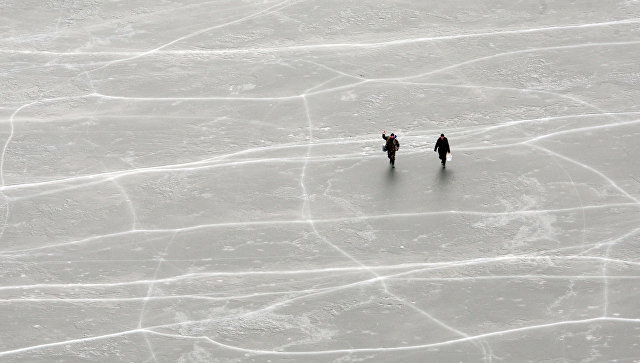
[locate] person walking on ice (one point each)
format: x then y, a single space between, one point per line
391 147
442 147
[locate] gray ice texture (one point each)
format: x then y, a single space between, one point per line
204 181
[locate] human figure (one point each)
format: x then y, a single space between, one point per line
392 146
442 147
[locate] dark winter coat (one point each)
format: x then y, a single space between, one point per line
442 147
392 145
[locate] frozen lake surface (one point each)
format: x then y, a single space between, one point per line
189 181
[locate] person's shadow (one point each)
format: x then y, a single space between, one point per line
391 176
443 179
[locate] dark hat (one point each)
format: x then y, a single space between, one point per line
441 134
392 134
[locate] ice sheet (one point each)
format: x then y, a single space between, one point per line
203 181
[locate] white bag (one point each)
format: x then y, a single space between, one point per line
449 157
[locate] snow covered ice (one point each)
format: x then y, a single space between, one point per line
203 181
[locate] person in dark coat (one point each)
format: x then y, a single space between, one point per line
442 147
392 146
